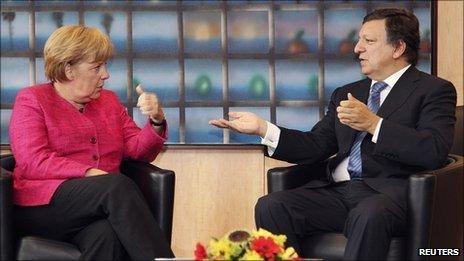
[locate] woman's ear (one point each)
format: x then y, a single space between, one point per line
68 70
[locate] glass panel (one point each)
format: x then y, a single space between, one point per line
40 71
158 76
296 31
423 15
11 3
197 128
203 80
90 3
153 2
390 4
341 29
249 139
201 2
14 32
202 31
345 2
289 1
248 80
238 2
424 65
172 117
14 76
241 2
296 80
248 32
112 23
47 22
118 78
160 36
298 118
339 73
55 2
5 116
139 118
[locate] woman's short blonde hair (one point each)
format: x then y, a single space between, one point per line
72 44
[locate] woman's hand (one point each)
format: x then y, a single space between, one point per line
95 172
149 105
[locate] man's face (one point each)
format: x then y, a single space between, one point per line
88 81
375 53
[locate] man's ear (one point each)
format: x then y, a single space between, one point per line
400 48
68 70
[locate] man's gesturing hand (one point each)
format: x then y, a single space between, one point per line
244 122
357 115
149 105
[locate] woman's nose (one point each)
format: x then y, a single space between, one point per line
105 73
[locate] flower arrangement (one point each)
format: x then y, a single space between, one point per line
241 245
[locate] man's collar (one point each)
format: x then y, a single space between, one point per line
392 79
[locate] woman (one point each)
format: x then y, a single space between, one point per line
68 138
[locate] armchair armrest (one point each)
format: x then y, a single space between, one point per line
435 210
283 178
6 207
157 185
6 221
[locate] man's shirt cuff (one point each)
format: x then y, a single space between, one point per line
271 139
377 130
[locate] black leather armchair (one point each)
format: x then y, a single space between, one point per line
435 211
157 185
435 202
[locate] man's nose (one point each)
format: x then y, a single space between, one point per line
358 48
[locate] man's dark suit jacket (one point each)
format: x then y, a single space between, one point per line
416 134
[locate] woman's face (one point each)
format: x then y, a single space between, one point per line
87 80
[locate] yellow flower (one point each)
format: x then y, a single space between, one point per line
278 239
240 245
289 254
251 255
224 249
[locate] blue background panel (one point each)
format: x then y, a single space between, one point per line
14 76
197 128
160 76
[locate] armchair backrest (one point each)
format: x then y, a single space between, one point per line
7 162
458 143
157 185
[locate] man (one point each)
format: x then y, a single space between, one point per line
382 129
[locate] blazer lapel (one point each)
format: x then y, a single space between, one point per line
400 92
360 92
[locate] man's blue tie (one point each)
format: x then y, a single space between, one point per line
355 161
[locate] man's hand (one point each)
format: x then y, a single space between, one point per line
149 105
95 172
357 115
243 122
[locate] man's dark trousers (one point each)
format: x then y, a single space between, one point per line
367 218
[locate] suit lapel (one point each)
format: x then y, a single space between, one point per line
400 92
360 92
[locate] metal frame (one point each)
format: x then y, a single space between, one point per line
224 56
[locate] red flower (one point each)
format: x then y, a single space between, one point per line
200 252
265 247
